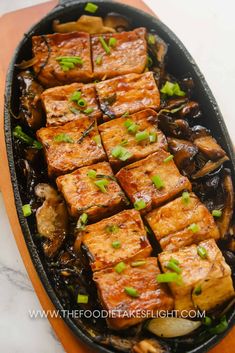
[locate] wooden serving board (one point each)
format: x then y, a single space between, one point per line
12 27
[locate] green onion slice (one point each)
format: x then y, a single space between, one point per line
139 204
18 133
112 42
221 327
90 7
185 197
99 60
82 221
169 277
63 138
152 137
116 244
172 89
132 292
158 182
82 299
138 263
27 211
75 96
112 228
120 267
217 213
141 136
169 158
151 39
194 227
82 102
121 153
202 252
101 184
197 290
104 45
172 265
91 173
97 140
88 111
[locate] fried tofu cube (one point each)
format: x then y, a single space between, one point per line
127 55
47 50
128 94
152 181
150 296
115 239
206 281
115 133
71 146
82 193
172 223
61 107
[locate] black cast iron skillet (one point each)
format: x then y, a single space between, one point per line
180 62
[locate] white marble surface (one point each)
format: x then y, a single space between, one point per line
207 28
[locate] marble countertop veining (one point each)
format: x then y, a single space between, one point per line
206 28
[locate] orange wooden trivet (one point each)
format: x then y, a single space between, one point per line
12 27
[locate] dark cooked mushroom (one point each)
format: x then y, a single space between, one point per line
184 152
199 131
150 346
190 110
30 100
209 167
209 147
176 128
157 50
51 218
116 21
224 221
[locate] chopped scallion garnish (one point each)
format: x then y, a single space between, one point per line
172 89
221 327
141 136
112 228
26 210
169 158
194 227
172 265
217 213
82 221
169 277
81 102
97 140
158 182
90 7
138 263
91 173
75 96
82 299
18 133
202 252
104 45
88 111
116 244
68 62
63 138
185 197
120 267
139 204
112 42
197 290
121 153
151 39
152 137
132 292
98 60
101 184
207 321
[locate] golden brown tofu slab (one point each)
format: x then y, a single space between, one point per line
151 296
206 282
128 93
127 55
117 133
48 48
83 195
172 223
115 239
152 181
71 146
61 106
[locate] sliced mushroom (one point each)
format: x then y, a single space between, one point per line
158 50
51 218
172 326
116 21
224 221
149 346
209 147
178 128
199 131
30 100
190 110
88 24
209 167
184 152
